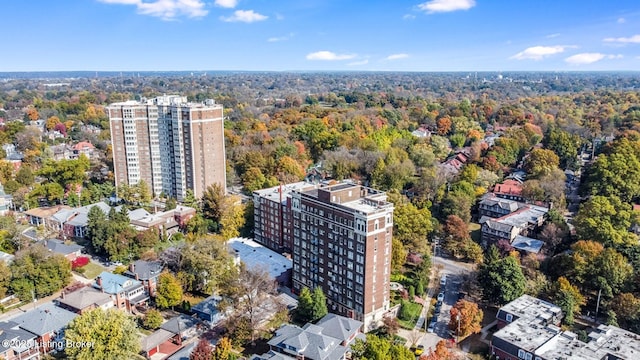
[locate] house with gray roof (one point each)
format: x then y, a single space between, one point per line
207 310
67 249
147 272
126 293
16 343
85 299
329 339
47 322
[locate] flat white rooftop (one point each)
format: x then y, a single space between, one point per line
273 194
258 256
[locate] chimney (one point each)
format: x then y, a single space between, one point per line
132 267
99 281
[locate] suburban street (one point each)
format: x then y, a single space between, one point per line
455 272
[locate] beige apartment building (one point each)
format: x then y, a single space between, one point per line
170 143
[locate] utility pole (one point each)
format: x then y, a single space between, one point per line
458 332
598 304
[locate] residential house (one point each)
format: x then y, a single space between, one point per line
67 249
147 272
184 353
75 224
126 293
17 344
421 132
13 156
329 339
159 344
509 189
530 331
47 322
43 216
6 201
207 310
511 221
83 147
85 299
496 207
169 337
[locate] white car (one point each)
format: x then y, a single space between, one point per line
441 296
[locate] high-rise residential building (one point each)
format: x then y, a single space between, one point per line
170 143
272 216
342 243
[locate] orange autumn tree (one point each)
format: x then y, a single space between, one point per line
441 352
470 318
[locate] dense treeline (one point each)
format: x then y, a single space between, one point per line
361 126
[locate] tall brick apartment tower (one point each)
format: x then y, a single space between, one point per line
342 243
171 144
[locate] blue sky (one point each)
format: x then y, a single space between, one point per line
281 35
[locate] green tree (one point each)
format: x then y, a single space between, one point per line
25 176
213 201
170 204
304 311
606 220
113 333
568 297
152 319
204 264
35 269
502 280
169 292
319 304
398 255
5 279
540 162
411 225
190 200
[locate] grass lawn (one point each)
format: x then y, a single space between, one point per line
91 270
474 230
413 314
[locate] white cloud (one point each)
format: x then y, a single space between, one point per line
551 36
438 6
226 3
247 16
616 56
281 38
397 56
622 20
328 55
358 63
408 17
538 52
585 58
635 39
166 9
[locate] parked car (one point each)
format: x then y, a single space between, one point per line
443 280
419 350
441 296
431 327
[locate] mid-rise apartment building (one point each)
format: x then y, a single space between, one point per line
342 243
170 143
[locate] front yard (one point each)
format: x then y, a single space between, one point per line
409 314
91 270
